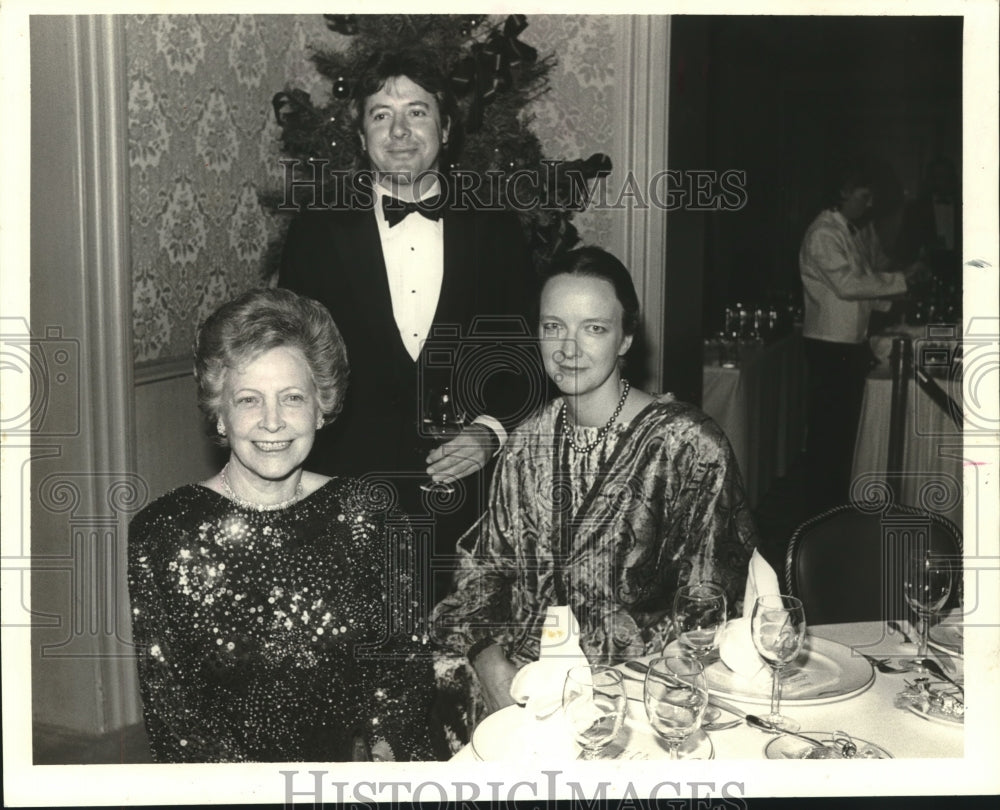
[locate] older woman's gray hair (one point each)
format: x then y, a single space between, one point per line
257 321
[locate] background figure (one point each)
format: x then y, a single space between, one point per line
844 279
406 288
606 500
262 629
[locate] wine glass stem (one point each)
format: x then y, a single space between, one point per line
775 690
924 622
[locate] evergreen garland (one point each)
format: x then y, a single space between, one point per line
494 75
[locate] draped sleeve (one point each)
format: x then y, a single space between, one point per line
708 531
480 605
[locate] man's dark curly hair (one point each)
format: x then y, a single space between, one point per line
422 68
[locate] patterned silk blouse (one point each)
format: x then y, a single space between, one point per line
612 533
276 636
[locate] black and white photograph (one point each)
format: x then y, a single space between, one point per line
551 403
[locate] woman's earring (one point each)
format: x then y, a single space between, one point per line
220 428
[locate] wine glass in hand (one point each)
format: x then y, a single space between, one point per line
675 694
926 587
778 627
442 421
699 616
594 704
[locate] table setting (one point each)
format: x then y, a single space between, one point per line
763 685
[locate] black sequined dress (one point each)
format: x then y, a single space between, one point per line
290 635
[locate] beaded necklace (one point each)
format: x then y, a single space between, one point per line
257 507
600 433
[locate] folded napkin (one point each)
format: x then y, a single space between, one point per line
539 685
736 647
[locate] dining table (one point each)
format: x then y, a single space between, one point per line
932 467
758 399
867 714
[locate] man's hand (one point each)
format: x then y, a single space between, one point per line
495 673
917 273
463 455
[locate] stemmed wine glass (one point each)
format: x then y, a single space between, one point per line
675 694
778 627
926 587
594 704
442 421
699 616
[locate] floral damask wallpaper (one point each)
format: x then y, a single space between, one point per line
576 118
203 142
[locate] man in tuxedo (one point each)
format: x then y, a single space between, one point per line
426 297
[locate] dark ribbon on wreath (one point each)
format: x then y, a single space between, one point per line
294 108
554 237
487 70
568 192
346 24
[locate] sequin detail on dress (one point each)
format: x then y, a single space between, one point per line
260 634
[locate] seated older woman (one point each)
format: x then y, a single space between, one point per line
607 500
259 596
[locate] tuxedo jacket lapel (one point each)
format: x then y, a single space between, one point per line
459 266
365 265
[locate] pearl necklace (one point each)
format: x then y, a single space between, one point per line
600 433
257 507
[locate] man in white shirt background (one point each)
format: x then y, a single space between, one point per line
845 278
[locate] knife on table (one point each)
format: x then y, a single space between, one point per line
719 703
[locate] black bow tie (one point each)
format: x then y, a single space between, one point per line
395 211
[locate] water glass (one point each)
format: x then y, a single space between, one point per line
926 588
699 616
675 694
778 627
594 704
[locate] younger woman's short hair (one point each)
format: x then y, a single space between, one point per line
598 263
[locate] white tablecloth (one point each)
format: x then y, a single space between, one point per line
761 408
932 449
869 716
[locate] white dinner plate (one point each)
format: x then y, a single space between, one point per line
824 672
948 637
513 734
786 747
638 741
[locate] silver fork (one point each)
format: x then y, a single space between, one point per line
883 665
